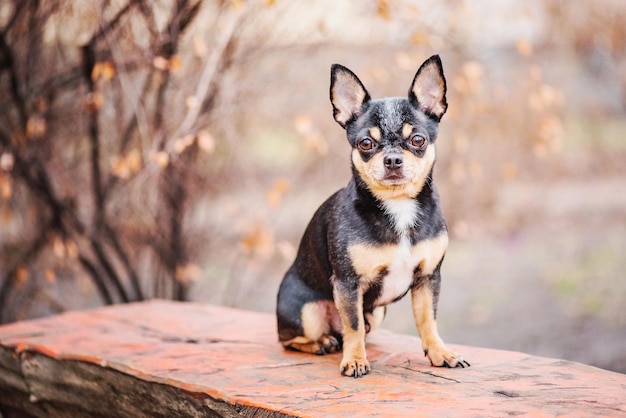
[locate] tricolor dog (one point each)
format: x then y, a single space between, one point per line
380 237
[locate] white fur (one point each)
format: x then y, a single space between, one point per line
403 212
400 275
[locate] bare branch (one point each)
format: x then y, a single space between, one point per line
209 72
8 62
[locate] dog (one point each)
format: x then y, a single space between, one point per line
380 237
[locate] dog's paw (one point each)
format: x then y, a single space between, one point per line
442 357
353 367
328 345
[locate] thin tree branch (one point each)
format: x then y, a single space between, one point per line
97 279
11 278
112 24
209 72
115 243
9 62
39 183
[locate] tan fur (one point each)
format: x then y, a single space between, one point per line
414 169
369 260
424 314
315 320
318 319
407 129
354 356
375 133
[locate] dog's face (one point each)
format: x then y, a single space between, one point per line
393 139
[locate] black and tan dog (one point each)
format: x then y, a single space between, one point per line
381 236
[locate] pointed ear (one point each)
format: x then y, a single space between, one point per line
428 91
347 94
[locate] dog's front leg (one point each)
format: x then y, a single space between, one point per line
424 300
349 302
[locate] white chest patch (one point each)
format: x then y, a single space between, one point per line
395 264
403 212
400 274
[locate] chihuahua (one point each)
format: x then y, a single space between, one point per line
378 238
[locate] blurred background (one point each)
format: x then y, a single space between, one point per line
178 148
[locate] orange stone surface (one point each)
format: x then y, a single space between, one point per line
233 356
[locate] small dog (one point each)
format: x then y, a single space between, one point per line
381 236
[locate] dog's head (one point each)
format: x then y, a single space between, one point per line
392 139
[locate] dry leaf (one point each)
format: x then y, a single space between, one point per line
259 242
524 48
7 161
50 276
383 10
192 102
58 247
181 144
175 63
200 48
35 127
188 273
6 187
160 63
275 195
420 38
161 158
21 275
93 102
237 4
206 142
104 70
71 249
126 166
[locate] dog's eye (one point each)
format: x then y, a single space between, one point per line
417 141
366 144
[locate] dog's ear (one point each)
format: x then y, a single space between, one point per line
347 94
428 91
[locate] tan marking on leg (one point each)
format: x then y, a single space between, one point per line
312 347
432 344
318 319
354 362
315 319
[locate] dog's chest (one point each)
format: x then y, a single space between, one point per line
399 274
394 266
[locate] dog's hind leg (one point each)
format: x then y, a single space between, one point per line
306 323
317 334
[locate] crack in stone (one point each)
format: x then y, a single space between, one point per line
282 366
427 373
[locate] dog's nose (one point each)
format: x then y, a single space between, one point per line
393 161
